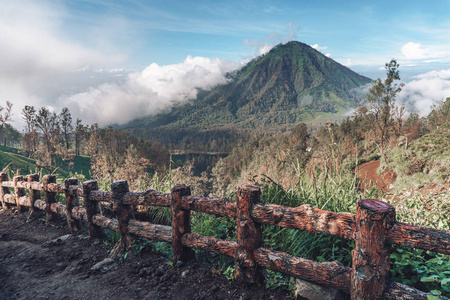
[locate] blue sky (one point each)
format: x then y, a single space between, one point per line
138 57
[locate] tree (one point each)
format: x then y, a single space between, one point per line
381 98
30 136
6 116
66 126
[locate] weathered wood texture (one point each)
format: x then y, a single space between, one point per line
71 202
181 224
91 208
371 256
221 207
373 228
209 243
35 194
123 214
306 217
101 196
148 198
249 235
332 274
3 190
398 291
50 197
54 187
419 237
19 192
151 231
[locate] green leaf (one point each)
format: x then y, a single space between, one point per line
432 278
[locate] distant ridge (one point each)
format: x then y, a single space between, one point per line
292 83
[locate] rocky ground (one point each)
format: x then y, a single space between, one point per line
43 261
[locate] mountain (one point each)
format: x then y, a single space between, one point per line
292 83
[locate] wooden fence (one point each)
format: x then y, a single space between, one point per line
373 228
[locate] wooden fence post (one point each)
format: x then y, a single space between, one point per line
50 197
371 256
34 195
95 231
123 214
20 192
248 234
181 224
4 190
71 201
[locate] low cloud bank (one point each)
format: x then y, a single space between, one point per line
424 91
147 92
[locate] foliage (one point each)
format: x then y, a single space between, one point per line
425 270
381 98
426 160
292 83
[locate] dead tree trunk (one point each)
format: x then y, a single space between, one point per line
181 224
371 256
248 235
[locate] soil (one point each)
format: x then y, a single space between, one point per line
369 176
44 261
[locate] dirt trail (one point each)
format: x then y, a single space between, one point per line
39 261
368 175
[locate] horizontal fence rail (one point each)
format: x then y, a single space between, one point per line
373 228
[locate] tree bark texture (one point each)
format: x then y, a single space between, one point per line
306 217
123 214
332 274
50 197
248 234
19 192
91 208
148 198
398 291
209 243
101 196
371 256
34 195
181 224
151 231
3 190
419 237
71 202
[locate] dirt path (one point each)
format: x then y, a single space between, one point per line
39 261
368 175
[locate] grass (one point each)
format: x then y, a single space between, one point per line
12 161
427 160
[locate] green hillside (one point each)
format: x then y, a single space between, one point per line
292 83
12 160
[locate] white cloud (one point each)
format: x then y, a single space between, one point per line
149 91
37 61
416 51
425 91
319 48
